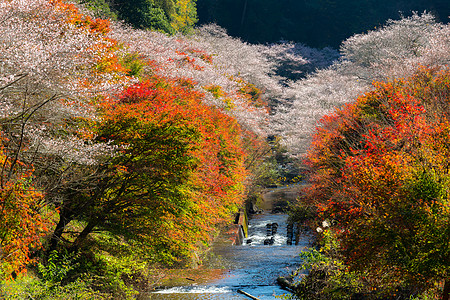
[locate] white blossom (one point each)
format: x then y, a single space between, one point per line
395 50
44 63
326 224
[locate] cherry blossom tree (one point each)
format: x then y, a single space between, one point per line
395 50
270 66
47 59
180 57
392 51
54 61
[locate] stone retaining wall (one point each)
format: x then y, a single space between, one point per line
239 230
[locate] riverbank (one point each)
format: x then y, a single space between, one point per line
252 267
215 265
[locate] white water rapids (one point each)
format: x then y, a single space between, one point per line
253 267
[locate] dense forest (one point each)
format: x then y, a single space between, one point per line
316 23
128 137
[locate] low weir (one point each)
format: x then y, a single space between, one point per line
253 264
252 267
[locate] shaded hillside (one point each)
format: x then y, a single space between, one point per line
317 23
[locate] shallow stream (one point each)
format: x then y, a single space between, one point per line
251 267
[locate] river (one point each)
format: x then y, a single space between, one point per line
251 267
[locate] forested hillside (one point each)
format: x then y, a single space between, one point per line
316 23
115 143
124 146
169 16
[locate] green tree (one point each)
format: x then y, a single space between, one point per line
100 8
168 16
184 15
146 14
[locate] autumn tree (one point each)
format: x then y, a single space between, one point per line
179 170
23 219
54 60
380 171
191 160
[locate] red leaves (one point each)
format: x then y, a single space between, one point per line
378 169
97 25
22 224
160 110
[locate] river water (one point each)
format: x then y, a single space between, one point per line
251 267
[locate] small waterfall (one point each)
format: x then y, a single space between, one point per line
253 266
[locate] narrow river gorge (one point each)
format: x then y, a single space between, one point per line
252 267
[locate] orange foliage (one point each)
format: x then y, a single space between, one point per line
22 222
214 170
106 48
97 25
380 169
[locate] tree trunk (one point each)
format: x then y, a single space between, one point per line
83 235
64 219
446 292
